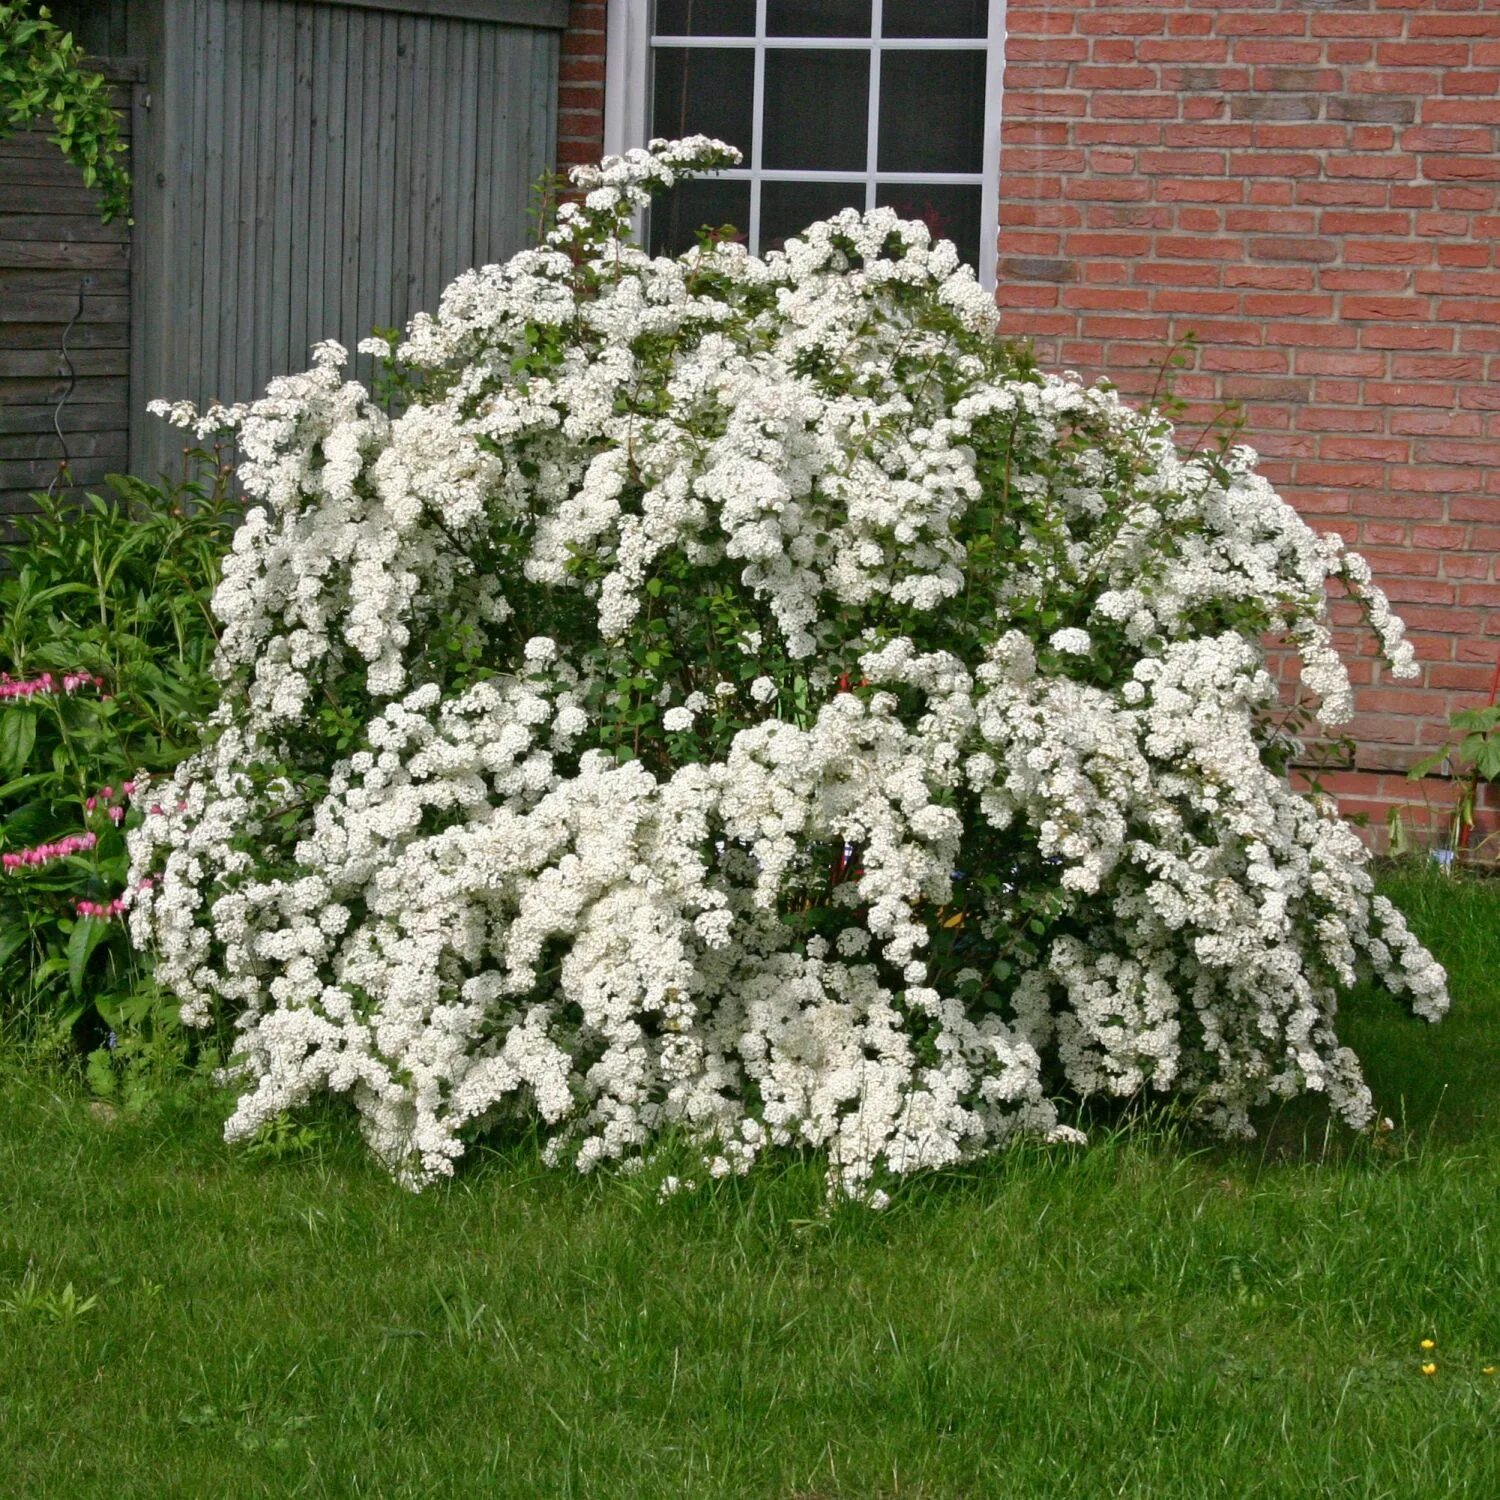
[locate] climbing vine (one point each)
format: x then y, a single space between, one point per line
42 75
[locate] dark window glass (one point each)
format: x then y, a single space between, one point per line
818 18
787 208
951 211
932 111
817 110
705 91
677 216
935 18
705 18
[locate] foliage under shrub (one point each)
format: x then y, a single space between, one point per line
741 697
106 644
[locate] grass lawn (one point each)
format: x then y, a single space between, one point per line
1146 1318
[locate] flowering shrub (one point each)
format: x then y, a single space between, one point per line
740 696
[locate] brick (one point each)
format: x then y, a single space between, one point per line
1245 361
1354 221
1031 268
1344 194
1463 81
1386 308
1287 305
1134 106
1299 136
1411 337
1436 423
1447 138
1121 23
1274 164
1186 248
1396 165
1383 450
1461 111
1410 394
1478 24
1195 302
1288 247
1448 450
1438 367
1460 168
1485 509
1363 279
1430 481
1347 476
1422 54
1275 107
1443 538
1386 252
1259 50
1338 24
1278 278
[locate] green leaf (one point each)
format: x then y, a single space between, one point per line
11 938
88 933
17 736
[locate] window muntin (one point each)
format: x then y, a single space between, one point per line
849 102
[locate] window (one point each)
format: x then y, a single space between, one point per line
835 103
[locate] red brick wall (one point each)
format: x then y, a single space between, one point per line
580 114
1311 188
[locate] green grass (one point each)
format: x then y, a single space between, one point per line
1151 1317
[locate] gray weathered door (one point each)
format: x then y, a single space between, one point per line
319 168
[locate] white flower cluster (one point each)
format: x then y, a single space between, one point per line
739 696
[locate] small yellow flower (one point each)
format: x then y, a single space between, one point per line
1488 1370
1429 1368
1429 1343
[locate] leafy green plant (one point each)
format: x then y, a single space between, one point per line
1472 758
42 75
106 640
32 1300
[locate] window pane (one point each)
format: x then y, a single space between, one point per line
787 208
932 111
707 91
950 211
705 18
935 18
818 17
817 107
677 216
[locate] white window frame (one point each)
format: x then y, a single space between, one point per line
627 105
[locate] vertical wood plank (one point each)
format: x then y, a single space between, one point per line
300 226
186 240
251 152
453 183
484 139
382 307
319 223
466 143
417 189
274 315
333 227
373 208
398 274
437 142
354 94
221 374
211 215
